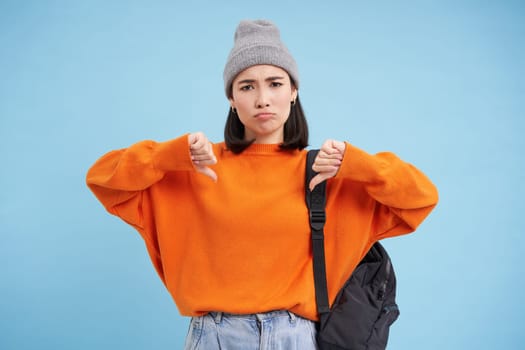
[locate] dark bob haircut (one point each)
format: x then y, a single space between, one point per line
295 131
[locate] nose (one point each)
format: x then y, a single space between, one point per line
262 100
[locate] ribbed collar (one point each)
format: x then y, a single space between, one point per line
261 148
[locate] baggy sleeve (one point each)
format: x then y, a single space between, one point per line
404 195
119 177
120 180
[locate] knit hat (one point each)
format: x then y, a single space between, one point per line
258 42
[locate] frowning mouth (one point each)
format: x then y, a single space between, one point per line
264 115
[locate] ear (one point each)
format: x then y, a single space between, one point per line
294 93
232 102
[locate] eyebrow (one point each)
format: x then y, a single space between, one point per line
272 78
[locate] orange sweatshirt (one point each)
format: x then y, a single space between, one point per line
242 244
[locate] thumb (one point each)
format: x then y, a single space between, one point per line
316 180
208 172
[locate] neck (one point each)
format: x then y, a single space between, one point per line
266 139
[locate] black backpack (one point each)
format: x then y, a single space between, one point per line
365 307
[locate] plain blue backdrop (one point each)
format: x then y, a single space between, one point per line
440 83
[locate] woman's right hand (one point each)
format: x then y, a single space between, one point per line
201 151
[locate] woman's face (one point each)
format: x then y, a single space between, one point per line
262 96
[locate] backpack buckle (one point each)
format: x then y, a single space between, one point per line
317 219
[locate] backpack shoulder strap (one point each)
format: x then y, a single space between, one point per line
316 201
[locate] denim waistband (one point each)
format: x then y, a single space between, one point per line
217 316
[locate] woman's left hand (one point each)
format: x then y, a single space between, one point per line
328 161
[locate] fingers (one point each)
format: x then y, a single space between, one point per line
201 152
339 146
330 157
328 161
332 149
326 164
201 149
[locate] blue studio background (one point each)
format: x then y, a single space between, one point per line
440 83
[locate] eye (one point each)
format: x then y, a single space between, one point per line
246 87
276 84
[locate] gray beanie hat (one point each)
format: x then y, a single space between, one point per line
258 42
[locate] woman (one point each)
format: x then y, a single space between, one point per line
226 225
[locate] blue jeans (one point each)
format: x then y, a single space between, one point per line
276 330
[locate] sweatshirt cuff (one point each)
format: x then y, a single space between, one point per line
173 155
359 165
